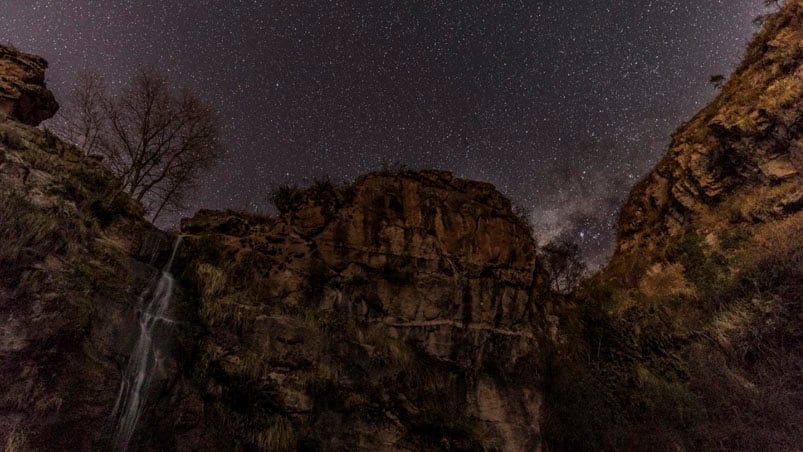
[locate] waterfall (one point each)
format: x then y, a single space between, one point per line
145 358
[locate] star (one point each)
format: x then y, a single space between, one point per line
562 105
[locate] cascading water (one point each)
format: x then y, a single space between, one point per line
145 358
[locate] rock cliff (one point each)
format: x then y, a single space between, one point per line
73 262
395 313
691 337
740 158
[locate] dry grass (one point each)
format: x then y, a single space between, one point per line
312 319
254 365
11 139
400 354
754 396
21 394
279 437
27 230
392 351
322 375
115 241
779 237
664 281
326 372
782 93
210 279
233 310
17 440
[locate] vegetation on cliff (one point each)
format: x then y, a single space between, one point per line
691 338
413 310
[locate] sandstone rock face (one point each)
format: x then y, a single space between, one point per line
705 299
748 139
408 299
23 94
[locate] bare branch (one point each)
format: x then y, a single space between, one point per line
156 139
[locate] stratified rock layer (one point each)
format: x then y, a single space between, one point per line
23 94
719 163
410 297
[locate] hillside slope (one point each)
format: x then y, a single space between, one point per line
74 257
692 337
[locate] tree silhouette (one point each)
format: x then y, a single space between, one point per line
563 265
717 80
157 139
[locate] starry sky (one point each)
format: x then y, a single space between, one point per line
562 105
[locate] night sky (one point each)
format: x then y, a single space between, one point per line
562 105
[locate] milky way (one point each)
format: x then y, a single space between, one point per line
562 105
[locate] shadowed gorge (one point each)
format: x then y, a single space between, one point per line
410 310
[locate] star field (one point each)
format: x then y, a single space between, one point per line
562 105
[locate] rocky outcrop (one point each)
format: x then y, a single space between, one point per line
719 163
690 338
23 94
410 297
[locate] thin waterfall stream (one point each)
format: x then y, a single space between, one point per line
145 358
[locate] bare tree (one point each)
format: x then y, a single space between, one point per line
563 265
82 116
157 139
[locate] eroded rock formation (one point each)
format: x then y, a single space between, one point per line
23 94
721 161
406 312
410 297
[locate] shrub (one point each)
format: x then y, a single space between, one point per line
563 265
329 195
732 239
524 218
210 279
704 268
287 198
11 139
